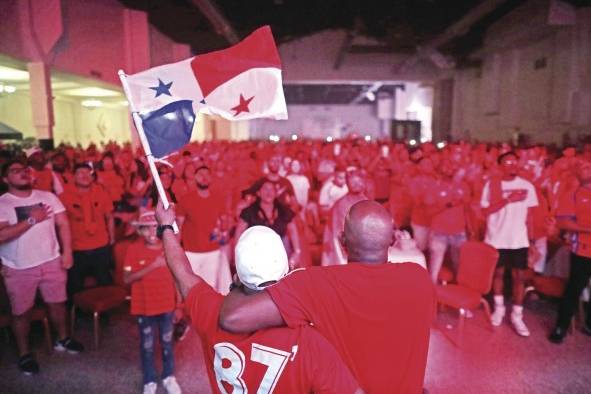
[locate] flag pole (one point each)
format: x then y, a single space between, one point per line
137 121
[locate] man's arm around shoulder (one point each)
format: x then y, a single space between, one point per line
241 313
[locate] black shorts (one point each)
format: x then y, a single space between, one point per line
513 258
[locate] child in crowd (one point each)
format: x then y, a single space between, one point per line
153 300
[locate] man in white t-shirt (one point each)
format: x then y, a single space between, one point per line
300 183
332 190
31 258
507 203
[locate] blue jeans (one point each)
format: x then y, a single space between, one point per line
147 325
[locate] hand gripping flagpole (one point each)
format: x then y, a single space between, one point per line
137 121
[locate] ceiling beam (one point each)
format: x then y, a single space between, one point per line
218 20
457 29
347 42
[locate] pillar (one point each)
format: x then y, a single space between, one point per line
41 103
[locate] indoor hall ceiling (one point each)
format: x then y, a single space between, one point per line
401 26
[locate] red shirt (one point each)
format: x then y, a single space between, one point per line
378 317
279 360
419 188
154 293
113 184
87 215
201 215
581 242
450 220
43 180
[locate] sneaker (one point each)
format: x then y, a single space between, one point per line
27 365
181 329
171 385
68 344
497 317
557 335
150 388
519 325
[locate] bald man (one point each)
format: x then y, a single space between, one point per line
376 314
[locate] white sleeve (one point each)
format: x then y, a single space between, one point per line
323 197
485 198
54 202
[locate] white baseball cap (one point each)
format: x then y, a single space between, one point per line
260 257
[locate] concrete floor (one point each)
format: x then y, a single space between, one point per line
489 362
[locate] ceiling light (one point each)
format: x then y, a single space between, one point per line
294 137
371 96
329 139
92 103
91 92
424 139
441 145
412 142
9 89
368 138
13 74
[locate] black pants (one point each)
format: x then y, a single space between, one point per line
96 263
580 272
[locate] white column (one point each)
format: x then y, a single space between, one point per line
41 102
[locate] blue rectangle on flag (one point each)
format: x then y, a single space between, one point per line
169 128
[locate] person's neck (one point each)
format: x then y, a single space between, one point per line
273 176
83 189
371 258
509 177
267 206
203 192
155 246
20 192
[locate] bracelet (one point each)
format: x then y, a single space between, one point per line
161 228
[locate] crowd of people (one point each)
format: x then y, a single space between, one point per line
327 204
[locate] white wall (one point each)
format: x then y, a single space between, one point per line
312 58
508 95
319 121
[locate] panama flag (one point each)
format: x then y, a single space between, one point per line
238 83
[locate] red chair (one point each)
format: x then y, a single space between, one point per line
97 300
474 280
446 275
101 299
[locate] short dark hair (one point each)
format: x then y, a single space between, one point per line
506 154
6 166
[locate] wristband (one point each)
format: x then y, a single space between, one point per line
161 228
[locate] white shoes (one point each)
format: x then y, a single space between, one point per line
519 325
171 385
150 388
497 317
